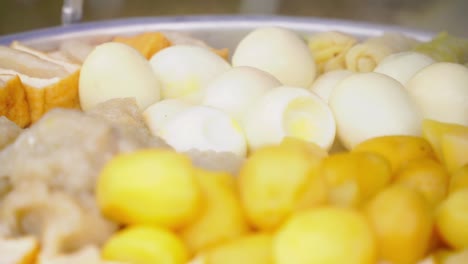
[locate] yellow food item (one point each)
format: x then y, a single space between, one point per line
354 177
145 245
63 93
452 219
63 62
223 53
329 49
449 141
459 180
22 250
402 220
308 146
254 248
446 48
426 176
438 256
48 82
152 186
221 218
365 56
147 43
455 149
325 235
275 181
397 149
13 101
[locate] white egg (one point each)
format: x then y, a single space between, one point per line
115 70
441 92
158 114
324 84
185 71
368 105
205 128
279 52
402 66
237 89
289 111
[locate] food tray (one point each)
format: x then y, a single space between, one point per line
219 31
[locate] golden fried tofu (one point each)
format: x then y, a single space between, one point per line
13 101
146 43
47 82
223 53
62 93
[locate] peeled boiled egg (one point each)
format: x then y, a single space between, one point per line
402 66
185 71
441 92
324 84
279 52
293 112
115 70
367 105
204 128
158 114
235 90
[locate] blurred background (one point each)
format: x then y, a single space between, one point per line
434 15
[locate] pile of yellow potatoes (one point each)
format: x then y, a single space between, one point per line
392 199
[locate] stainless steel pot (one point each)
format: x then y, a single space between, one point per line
219 31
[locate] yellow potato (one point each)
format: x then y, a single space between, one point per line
221 217
426 176
250 249
397 149
452 219
275 181
354 177
311 147
145 245
455 149
329 49
459 179
325 235
147 43
449 141
152 186
13 100
403 223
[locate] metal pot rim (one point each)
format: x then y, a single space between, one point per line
207 23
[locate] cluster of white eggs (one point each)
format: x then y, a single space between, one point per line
194 99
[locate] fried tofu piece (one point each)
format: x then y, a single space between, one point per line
147 44
62 93
47 82
223 53
13 100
